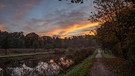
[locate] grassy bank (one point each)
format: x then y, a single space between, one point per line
82 68
107 55
120 66
117 65
24 54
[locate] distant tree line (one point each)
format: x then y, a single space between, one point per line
33 40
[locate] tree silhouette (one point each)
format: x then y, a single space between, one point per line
74 1
35 45
30 39
5 44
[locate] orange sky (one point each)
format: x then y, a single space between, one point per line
46 17
66 31
76 29
2 27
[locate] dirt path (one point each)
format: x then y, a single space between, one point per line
99 68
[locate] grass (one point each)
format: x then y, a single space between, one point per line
107 55
24 54
120 66
82 68
117 65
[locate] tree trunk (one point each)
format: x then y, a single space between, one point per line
124 51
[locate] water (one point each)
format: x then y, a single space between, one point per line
50 68
42 68
1 72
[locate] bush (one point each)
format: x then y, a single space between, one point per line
59 51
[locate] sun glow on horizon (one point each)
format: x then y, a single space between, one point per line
65 32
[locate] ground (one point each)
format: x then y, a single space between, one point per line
98 68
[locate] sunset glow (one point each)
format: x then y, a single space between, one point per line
65 31
2 27
41 17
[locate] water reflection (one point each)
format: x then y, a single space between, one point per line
50 68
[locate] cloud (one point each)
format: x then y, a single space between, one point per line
2 27
76 29
68 18
24 6
34 25
2 6
70 23
18 8
93 32
61 22
64 20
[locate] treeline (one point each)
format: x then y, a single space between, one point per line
117 31
33 40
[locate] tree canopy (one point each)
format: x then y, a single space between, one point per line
74 1
116 33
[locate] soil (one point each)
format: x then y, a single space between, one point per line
98 68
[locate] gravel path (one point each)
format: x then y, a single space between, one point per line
98 68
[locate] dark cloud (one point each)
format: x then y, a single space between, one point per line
60 22
18 8
24 7
2 6
58 19
64 18
23 15
14 11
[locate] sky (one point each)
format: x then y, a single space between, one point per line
46 17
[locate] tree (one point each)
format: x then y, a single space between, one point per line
35 45
117 26
119 35
56 41
16 40
48 42
131 1
5 42
31 39
107 10
74 1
